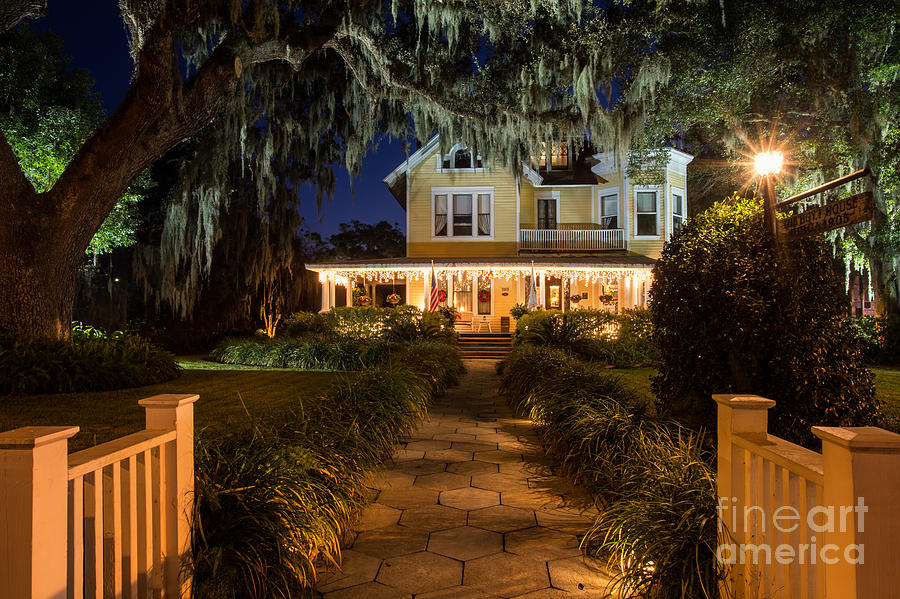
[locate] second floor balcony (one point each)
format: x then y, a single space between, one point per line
571 237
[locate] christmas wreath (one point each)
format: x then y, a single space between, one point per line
484 295
393 299
442 295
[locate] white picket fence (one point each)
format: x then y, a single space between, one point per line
109 521
571 239
794 527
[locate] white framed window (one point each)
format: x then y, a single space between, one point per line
459 158
609 209
646 211
679 209
462 212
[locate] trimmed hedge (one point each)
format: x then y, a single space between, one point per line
90 361
403 323
653 477
274 500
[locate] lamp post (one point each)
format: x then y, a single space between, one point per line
768 164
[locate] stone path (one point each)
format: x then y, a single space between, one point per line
469 508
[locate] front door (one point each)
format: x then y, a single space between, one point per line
553 293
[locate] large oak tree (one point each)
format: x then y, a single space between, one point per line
278 85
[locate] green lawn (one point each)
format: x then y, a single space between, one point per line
887 387
224 394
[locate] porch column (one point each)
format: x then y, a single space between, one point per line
543 292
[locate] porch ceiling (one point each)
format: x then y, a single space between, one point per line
602 261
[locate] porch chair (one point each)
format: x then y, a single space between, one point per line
464 322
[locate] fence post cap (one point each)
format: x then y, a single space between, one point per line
168 400
860 438
739 401
28 437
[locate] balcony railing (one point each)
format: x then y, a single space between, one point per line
571 240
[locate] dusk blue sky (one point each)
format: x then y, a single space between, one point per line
96 40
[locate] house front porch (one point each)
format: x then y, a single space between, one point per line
484 290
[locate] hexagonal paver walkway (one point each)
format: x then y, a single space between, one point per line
469 507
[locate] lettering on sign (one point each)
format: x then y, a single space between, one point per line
840 213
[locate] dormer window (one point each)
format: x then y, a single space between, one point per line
560 158
461 158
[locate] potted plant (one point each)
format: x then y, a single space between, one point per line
575 298
393 299
518 311
607 298
360 297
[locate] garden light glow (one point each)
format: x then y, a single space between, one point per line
769 163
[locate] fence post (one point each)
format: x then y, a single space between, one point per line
176 412
746 415
862 487
34 482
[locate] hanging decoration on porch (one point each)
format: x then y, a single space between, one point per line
575 298
442 295
587 275
393 299
484 295
607 298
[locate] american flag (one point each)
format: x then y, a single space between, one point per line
435 301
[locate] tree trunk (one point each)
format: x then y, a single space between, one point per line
37 284
878 251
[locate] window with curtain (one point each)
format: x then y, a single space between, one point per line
463 212
546 213
484 214
646 206
440 215
677 211
462 294
609 209
462 215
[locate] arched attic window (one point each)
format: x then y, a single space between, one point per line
460 157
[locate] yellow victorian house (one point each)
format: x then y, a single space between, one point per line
589 234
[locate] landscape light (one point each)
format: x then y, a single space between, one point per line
769 163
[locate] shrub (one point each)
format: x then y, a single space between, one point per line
653 477
274 499
880 338
300 324
729 316
90 361
618 339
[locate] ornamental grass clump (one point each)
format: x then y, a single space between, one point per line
306 353
652 478
276 499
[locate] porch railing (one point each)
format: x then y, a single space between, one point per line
799 524
109 521
546 240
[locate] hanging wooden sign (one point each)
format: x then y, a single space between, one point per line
840 213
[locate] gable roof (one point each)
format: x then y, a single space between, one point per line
604 163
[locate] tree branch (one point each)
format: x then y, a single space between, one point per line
14 182
12 12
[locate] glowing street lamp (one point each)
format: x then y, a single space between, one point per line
768 164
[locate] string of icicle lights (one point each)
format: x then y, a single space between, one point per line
580 275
